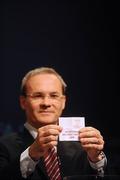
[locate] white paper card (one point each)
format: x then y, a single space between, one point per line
71 127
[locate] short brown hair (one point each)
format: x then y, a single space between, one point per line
41 70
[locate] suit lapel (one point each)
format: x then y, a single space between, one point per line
41 167
26 137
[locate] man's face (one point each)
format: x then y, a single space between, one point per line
44 102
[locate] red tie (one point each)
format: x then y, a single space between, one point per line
52 165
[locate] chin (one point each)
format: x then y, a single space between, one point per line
47 120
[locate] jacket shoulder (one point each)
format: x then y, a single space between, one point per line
11 143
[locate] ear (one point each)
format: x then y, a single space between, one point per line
64 101
23 102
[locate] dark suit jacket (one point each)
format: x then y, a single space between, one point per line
72 158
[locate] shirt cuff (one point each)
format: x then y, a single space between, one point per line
27 165
99 166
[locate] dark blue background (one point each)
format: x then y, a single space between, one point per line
79 40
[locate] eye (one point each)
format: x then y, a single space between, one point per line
37 96
54 96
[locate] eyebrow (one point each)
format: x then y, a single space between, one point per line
39 92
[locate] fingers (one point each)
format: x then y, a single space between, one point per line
91 138
90 132
92 146
48 136
49 130
91 141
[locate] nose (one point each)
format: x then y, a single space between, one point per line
46 102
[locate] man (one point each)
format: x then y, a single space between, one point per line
22 155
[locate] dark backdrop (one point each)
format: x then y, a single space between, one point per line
79 40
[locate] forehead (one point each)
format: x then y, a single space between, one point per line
44 82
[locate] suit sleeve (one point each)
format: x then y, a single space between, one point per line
9 164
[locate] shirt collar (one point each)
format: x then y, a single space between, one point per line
33 131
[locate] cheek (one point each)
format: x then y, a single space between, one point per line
60 108
35 107
31 107
31 110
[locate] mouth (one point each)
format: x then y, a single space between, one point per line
50 111
46 112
